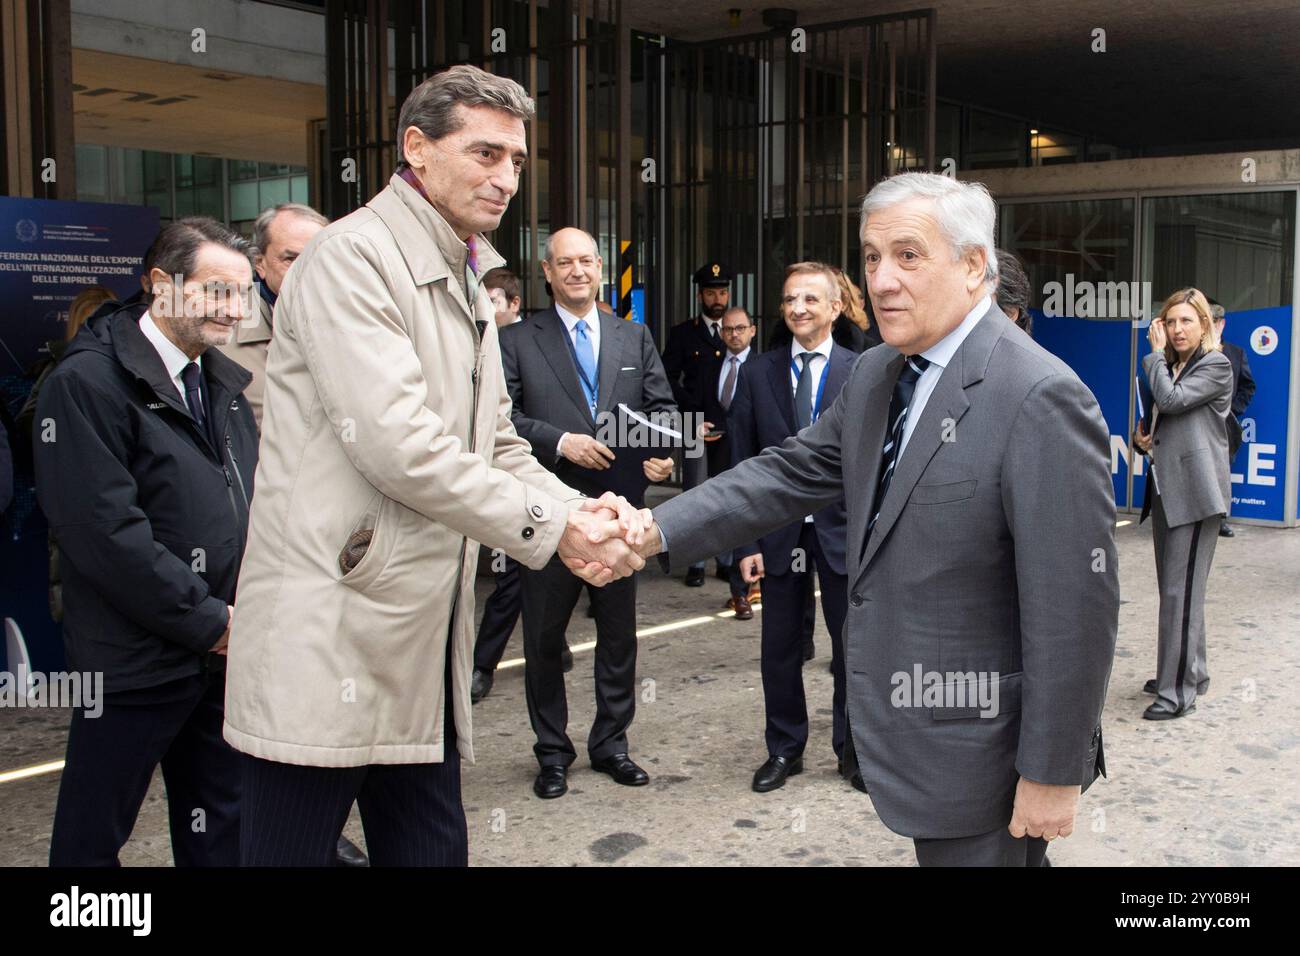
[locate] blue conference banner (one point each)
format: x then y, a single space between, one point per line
50 251
1099 351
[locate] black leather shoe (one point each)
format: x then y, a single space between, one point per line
1153 713
1225 531
552 782
566 659
772 774
1150 687
348 853
695 578
622 769
855 780
480 685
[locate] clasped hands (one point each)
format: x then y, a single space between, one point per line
607 539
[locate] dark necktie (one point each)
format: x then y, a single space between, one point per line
803 392
714 336
729 383
904 388
191 376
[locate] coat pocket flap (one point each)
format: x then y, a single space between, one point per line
923 494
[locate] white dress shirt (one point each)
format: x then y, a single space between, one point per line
940 355
592 318
173 359
738 359
817 364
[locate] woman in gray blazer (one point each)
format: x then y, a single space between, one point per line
1187 489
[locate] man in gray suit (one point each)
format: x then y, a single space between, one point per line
983 587
571 371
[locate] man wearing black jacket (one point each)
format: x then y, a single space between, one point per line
145 451
1243 390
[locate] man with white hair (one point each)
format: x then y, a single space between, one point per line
983 588
279 236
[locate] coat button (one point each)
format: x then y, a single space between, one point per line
1157 441
856 600
537 511
528 533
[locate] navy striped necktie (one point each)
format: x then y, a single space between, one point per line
904 389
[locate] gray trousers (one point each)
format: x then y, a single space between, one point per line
1183 557
995 848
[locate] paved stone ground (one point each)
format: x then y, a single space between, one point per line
1218 787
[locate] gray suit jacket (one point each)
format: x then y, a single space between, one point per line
547 399
1190 438
994 554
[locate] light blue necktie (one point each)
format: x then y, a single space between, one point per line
586 362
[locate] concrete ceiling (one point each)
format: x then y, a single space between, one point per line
1174 71
174 108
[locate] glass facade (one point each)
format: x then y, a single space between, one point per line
232 191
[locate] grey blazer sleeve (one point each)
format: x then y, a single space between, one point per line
757 496
543 436
1207 380
1060 508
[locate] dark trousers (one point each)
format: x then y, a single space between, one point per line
784 601
727 561
411 813
995 848
500 614
549 596
809 622
111 760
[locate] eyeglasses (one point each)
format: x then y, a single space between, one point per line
734 329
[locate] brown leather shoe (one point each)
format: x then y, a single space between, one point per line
741 606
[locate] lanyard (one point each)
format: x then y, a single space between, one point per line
821 385
587 385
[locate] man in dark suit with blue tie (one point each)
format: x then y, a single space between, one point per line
780 393
572 373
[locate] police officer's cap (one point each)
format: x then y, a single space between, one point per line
712 276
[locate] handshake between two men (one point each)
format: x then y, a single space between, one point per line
607 538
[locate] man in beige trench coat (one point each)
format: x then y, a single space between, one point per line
387 458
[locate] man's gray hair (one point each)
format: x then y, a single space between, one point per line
431 106
549 255
262 225
965 211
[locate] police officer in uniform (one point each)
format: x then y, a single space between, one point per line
693 359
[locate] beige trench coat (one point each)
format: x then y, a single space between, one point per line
384 411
